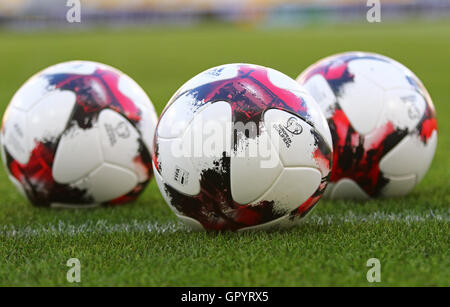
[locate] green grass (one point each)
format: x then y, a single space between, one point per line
143 244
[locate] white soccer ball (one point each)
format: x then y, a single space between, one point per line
382 121
78 134
241 146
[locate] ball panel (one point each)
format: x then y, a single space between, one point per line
363 111
177 117
255 165
108 182
205 139
347 188
120 142
48 118
30 93
381 72
292 188
209 135
37 180
192 223
175 168
404 108
14 134
296 141
409 156
399 186
78 153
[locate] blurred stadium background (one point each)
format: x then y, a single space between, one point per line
161 44
33 14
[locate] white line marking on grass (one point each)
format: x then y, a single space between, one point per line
105 227
97 227
405 217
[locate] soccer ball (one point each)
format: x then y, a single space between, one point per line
382 121
241 146
79 134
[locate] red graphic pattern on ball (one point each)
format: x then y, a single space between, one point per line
355 156
94 93
249 95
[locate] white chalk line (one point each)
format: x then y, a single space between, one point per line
406 217
135 226
93 227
